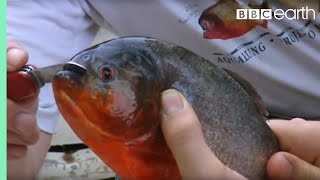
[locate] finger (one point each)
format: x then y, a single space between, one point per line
298 137
25 126
16 151
25 109
16 56
30 104
283 165
183 134
18 139
12 109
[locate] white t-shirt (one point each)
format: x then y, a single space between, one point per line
280 58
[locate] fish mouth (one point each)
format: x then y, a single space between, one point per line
204 24
74 68
208 24
72 72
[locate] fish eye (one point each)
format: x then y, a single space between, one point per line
106 73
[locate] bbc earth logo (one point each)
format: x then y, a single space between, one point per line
291 14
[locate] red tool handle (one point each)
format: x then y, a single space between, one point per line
20 85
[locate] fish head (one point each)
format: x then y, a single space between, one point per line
109 91
219 20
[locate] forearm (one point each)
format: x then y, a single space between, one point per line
29 166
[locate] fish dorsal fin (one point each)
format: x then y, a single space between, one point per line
261 108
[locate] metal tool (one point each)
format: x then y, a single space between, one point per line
28 81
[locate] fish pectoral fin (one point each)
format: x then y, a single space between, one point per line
251 91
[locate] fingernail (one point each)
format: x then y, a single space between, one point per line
172 102
14 56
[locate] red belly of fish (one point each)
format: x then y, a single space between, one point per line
232 29
150 159
135 163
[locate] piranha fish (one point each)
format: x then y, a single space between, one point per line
219 20
110 96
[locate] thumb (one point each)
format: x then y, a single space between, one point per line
16 56
184 137
283 165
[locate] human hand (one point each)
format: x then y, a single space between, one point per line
22 129
300 142
183 134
